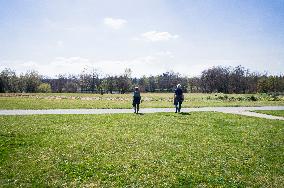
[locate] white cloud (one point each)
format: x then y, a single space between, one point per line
155 36
63 61
139 65
145 65
59 65
66 65
59 44
165 54
114 23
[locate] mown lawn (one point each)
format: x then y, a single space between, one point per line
154 100
272 112
150 150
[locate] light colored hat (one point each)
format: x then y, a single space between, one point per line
178 86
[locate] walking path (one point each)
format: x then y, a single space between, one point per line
232 110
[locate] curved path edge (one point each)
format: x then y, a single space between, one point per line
232 110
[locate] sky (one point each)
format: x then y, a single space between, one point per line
148 36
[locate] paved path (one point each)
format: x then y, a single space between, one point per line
232 110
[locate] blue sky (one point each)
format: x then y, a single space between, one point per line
148 36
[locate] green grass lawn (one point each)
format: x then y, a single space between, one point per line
155 100
150 150
272 112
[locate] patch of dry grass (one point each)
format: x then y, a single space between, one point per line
149 100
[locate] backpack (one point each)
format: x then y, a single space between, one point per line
136 94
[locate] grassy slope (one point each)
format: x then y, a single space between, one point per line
163 150
272 112
65 101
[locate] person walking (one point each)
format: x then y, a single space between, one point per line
178 98
136 100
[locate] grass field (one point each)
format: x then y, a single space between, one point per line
155 100
272 112
150 150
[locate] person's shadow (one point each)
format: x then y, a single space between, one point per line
141 114
185 113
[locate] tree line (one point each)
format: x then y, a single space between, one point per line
220 79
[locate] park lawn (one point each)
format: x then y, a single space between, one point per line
150 150
272 112
149 100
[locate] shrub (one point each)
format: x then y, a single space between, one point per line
240 98
44 88
253 98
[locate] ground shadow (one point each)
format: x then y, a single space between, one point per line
185 113
166 113
141 114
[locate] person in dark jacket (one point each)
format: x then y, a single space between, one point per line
178 98
136 100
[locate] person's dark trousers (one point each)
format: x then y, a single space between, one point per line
136 108
179 106
177 102
136 102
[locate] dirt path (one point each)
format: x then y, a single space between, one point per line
232 110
